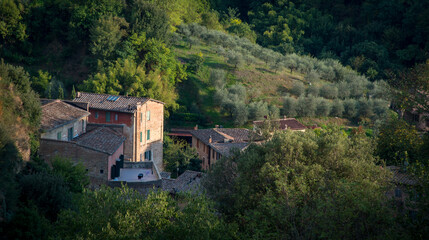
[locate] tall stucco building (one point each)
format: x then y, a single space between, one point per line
142 119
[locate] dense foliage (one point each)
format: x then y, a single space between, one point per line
373 37
305 185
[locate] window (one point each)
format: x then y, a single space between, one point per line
148 115
217 155
141 157
148 155
141 136
116 117
70 134
59 135
148 134
398 192
107 116
141 117
101 171
83 125
96 115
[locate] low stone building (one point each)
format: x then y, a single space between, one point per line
62 120
143 121
212 144
98 150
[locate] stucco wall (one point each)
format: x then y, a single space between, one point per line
77 130
112 160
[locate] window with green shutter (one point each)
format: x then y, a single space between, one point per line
148 134
141 136
107 116
59 135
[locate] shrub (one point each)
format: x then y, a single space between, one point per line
313 90
258 110
298 88
329 91
350 108
306 106
337 109
323 107
289 106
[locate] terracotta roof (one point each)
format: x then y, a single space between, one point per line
56 113
287 123
111 102
101 139
401 177
225 148
188 181
219 135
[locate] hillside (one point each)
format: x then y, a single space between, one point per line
319 88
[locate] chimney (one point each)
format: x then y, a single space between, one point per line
196 127
78 94
210 139
216 126
284 116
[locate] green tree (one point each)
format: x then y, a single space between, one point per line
105 34
304 185
125 213
398 143
149 18
179 157
12 28
74 175
40 83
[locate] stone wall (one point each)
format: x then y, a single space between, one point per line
96 163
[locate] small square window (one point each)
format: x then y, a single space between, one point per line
96 115
107 116
101 171
116 117
148 135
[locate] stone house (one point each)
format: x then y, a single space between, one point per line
98 150
61 120
142 118
281 124
212 144
403 191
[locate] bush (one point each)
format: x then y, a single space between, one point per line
258 110
306 106
217 78
329 91
312 77
365 108
298 88
350 108
313 90
323 107
290 106
337 109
